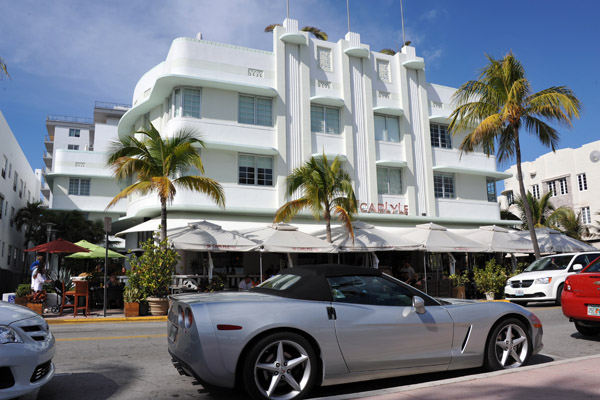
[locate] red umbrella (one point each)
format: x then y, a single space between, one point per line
58 246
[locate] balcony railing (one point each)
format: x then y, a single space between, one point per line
66 118
112 106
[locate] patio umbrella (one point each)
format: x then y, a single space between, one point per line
94 251
369 238
552 241
498 239
58 246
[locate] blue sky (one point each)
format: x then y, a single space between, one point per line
63 55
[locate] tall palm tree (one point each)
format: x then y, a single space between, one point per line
570 223
31 216
499 104
159 165
316 32
542 210
325 188
3 69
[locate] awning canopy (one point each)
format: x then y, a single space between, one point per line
367 237
552 241
284 238
498 239
437 239
206 236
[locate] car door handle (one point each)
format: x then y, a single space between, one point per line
331 313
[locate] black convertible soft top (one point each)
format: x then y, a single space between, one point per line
313 284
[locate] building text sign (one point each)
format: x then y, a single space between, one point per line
383 208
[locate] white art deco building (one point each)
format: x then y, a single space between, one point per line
263 113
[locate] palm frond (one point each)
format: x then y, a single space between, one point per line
201 184
271 28
345 218
286 212
316 32
388 51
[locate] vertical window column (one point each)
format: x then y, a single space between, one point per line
586 217
582 182
491 189
443 186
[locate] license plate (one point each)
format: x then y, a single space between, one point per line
594 311
173 333
519 292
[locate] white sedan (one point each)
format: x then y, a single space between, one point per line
26 351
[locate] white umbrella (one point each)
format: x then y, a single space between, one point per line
552 241
285 238
437 239
498 239
369 238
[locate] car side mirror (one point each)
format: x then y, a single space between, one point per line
577 267
418 304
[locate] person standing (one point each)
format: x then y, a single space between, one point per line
38 260
38 278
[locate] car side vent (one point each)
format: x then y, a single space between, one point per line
41 371
467 336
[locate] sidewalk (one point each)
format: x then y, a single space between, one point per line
566 379
96 316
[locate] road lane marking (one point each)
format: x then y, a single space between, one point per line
111 337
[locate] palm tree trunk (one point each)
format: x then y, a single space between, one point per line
163 219
327 218
528 214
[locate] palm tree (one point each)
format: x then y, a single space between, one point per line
31 216
499 104
542 210
325 188
3 69
159 165
570 223
316 32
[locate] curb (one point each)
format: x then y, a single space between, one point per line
65 321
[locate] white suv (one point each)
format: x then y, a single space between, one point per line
543 280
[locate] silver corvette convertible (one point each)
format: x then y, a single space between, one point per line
331 324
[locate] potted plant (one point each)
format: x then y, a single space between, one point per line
152 274
21 294
35 301
491 279
458 281
131 300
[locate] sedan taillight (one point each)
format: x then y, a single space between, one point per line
567 287
189 318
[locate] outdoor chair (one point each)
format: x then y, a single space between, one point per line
64 299
81 290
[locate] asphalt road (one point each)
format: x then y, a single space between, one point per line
130 361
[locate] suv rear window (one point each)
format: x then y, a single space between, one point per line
554 263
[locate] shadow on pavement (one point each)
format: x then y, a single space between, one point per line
79 385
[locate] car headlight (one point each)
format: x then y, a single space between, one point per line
543 281
8 335
507 283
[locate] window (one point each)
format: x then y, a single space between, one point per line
586 217
74 132
389 180
185 102
15 181
4 167
73 147
387 128
1 204
443 186
12 216
440 136
324 119
383 70
20 188
79 186
552 188
535 190
324 58
582 182
9 251
510 198
9 170
371 290
491 189
563 186
255 170
255 110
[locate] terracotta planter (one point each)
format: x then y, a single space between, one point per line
158 306
132 309
22 301
37 307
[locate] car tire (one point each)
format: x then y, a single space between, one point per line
586 330
509 345
559 294
265 372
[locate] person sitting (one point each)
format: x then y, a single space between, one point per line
246 284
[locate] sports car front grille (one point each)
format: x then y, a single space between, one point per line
6 378
36 332
521 284
41 371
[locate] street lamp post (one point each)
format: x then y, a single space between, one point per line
49 226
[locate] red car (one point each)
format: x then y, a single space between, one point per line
581 299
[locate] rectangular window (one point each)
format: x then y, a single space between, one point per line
74 132
72 147
552 188
324 59
383 70
535 191
389 180
324 119
255 110
582 182
12 216
15 181
20 188
491 189
255 170
387 128
440 136
1 205
563 186
191 103
443 186
4 167
510 198
586 217
79 186
9 251
9 170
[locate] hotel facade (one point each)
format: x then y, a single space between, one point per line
263 113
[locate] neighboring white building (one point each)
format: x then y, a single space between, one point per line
572 175
76 176
19 184
263 113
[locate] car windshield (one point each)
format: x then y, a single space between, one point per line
549 264
594 266
280 282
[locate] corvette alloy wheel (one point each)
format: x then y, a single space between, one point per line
509 346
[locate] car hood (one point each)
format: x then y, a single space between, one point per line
538 274
10 313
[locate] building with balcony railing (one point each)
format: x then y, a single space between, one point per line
263 113
75 173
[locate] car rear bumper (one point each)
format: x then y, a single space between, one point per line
576 307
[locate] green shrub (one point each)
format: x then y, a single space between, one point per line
492 278
23 290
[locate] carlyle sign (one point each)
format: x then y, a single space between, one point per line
383 208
